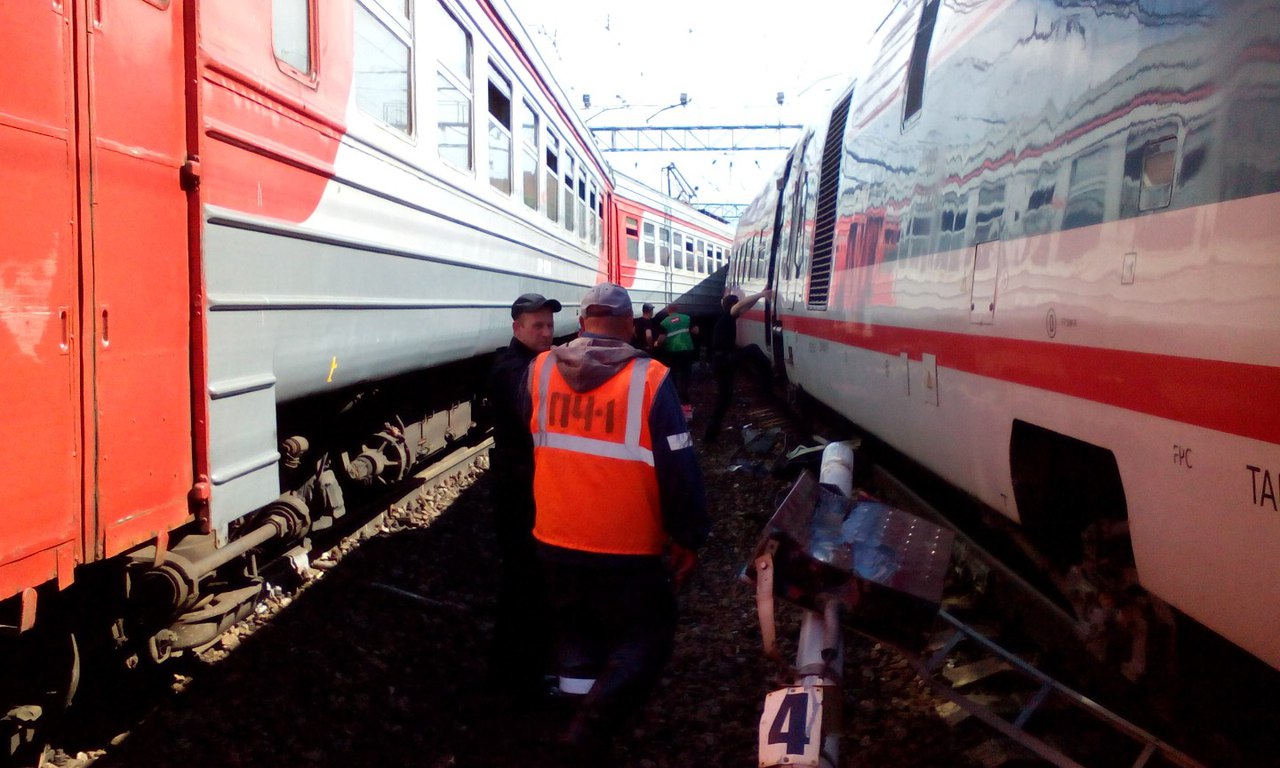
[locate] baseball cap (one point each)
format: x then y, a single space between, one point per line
532 302
606 300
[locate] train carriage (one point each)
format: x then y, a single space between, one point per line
427 214
672 253
1033 247
257 252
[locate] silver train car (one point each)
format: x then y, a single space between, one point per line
1033 247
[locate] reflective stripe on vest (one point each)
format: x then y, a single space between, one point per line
594 484
630 450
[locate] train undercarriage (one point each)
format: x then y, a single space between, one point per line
181 592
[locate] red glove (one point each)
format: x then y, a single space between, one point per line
682 563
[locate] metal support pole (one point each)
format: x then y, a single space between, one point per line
820 652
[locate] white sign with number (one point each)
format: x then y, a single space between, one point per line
791 728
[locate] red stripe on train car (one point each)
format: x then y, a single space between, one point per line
1236 398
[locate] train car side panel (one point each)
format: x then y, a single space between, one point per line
139 327
39 342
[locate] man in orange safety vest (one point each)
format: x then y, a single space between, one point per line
621 510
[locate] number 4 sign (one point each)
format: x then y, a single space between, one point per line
791 728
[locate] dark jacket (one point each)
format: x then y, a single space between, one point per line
589 361
512 454
724 334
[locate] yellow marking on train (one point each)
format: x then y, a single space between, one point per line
333 366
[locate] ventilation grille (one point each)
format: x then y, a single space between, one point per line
825 224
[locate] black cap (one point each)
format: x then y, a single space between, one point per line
532 302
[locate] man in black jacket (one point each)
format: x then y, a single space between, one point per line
725 355
522 629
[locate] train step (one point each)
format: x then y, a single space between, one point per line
950 669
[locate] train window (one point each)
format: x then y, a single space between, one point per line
919 231
382 82
1150 169
529 157
704 254
595 216
891 234
664 246
1159 160
677 250
1087 199
990 212
499 131
568 191
453 42
453 91
633 240
1040 211
851 242
553 176
1245 139
291 33
582 201
955 215
649 245
689 262
919 61
961 222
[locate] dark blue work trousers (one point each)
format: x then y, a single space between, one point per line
616 621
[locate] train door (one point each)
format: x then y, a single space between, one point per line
773 319
664 257
136 321
627 244
40 495
612 245
787 250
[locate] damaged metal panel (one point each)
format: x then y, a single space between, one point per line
885 566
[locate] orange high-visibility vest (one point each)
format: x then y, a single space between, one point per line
594 482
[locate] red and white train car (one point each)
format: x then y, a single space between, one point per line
671 252
241 239
1034 247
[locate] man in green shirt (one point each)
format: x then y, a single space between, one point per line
676 342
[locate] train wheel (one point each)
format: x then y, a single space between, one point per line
42 676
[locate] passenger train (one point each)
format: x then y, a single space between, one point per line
1035 247
254 250
680 253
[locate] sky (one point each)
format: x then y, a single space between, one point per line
731 59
